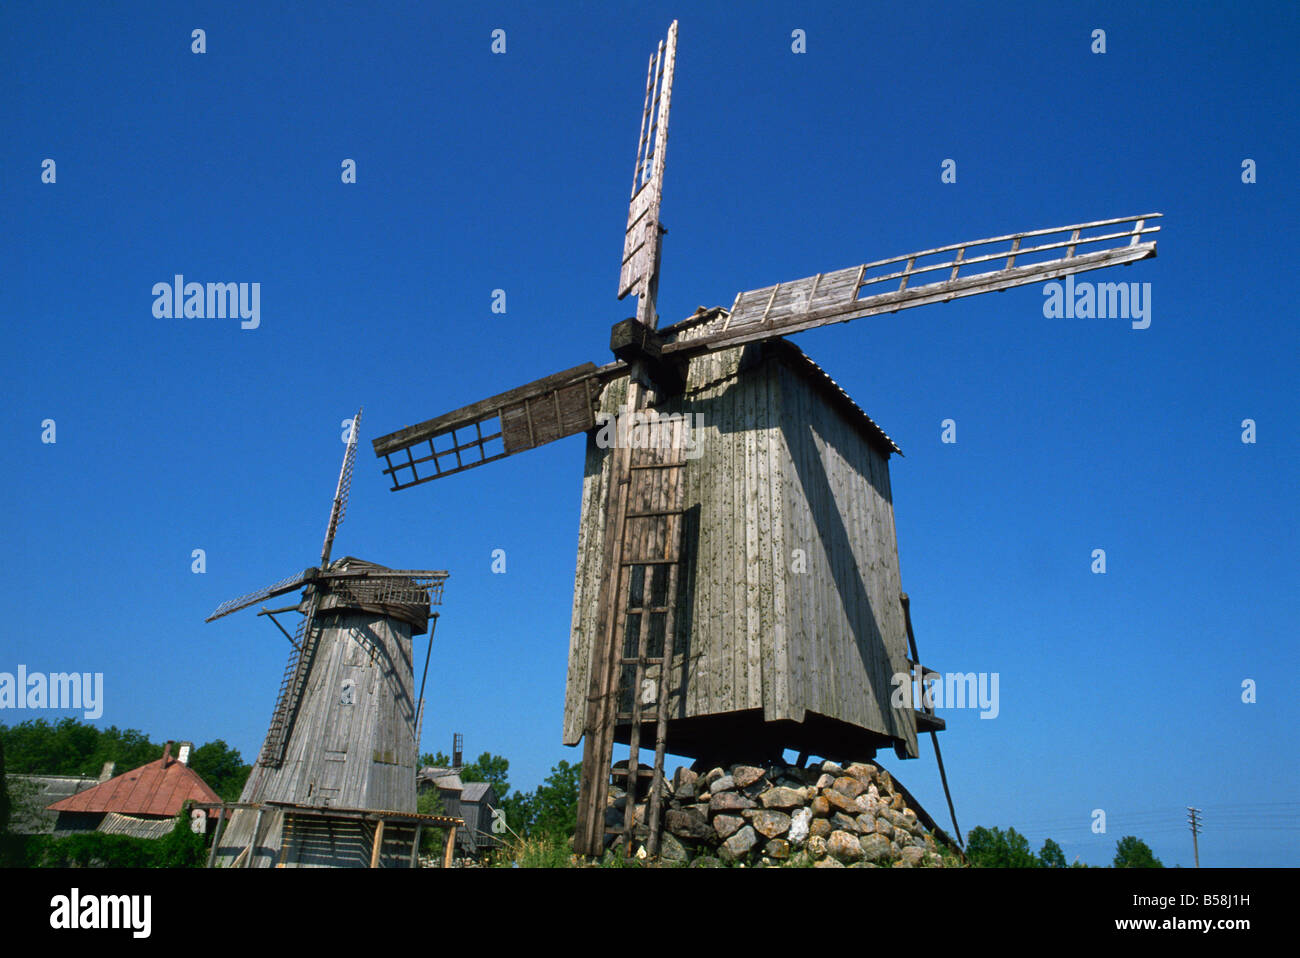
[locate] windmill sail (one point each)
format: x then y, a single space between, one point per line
244 601
540 412
962 269
341 490
640 272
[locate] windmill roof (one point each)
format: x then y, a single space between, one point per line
474 791
706 321
152 789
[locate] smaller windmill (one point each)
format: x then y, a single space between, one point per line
344 735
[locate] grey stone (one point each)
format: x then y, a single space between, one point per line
817 846
866 824
687 824
820 827
844 846
729 802
875 847
770 823
739 845
727 825
712 775
866 774
914 855
671 850
706 861
746 775
777 848
799 822
781 797
844 822
884 828
683 776
724 784
830 768
825 781
828 863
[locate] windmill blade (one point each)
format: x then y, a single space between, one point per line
839 296
640 271
502 425
341 490
244 601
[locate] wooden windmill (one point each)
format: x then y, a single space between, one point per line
692 619
344 733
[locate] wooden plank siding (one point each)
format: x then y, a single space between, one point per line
786 465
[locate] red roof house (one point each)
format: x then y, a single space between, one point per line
144 801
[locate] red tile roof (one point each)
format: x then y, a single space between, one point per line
152 789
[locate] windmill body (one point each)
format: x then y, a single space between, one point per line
353 743
789 627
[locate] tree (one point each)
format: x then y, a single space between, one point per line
554 811
489 768
1051 856
991 848
222 768
1131 852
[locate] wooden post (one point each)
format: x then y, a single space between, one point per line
216 839
252 842
415 847
450 847
379 841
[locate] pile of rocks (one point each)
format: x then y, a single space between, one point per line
825 815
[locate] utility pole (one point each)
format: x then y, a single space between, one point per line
1196 828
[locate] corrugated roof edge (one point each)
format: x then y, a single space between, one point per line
801 362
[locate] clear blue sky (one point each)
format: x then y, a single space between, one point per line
478 171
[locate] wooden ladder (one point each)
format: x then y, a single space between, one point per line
649 569
291 687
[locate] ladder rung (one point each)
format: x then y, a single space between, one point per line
646 716
654 512
642 771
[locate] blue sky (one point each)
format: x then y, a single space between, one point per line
478 172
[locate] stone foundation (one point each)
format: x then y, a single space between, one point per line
826 816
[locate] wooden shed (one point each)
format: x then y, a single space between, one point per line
789 625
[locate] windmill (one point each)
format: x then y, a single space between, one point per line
674 550
344 734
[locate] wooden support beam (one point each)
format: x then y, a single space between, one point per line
378 844
449 848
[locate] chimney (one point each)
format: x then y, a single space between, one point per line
106 772
183 753
167 753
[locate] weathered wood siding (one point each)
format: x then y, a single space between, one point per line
357 754
781 470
